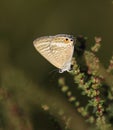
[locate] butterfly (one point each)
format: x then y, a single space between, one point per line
58 50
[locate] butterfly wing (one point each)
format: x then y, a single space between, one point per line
42 45
62 56
59 56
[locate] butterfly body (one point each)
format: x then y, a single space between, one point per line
58 50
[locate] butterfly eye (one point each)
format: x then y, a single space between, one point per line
66 40
71 40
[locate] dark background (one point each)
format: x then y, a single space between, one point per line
22 21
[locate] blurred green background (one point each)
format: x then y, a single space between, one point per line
22 21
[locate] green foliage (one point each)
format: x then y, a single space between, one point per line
91 83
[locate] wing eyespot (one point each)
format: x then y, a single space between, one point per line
66 40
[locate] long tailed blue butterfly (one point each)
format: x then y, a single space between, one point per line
58 50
